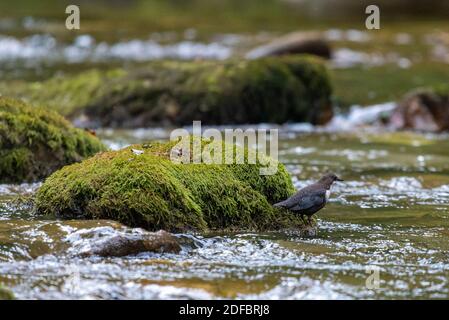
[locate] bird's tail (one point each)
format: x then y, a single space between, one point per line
279 204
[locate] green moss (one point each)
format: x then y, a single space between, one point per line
35 142
6 294
66 96
152 192
276 89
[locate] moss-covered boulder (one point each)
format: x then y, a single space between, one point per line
35 142
275 89
423 109
141 186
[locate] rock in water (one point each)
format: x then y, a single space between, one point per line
423 110
152 192
293 43
270 90
6 294
35 142
124 245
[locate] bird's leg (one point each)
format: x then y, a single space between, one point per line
311 220
306 219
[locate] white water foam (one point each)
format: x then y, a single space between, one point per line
361 116
84 48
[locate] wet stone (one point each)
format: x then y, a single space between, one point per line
293 43
131 244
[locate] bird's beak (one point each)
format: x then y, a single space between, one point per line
338 179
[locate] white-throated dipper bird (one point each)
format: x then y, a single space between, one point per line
310 199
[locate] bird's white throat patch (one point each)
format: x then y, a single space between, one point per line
328 195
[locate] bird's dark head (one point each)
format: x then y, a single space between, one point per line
328 179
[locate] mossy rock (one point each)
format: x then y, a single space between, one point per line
149 190
35 142
275 90
6 294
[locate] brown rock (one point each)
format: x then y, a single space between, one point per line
422 110
123 245
293 43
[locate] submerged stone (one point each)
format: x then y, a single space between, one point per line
148 190
35 142
6 294
274 89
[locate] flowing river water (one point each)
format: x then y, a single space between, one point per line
389 218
